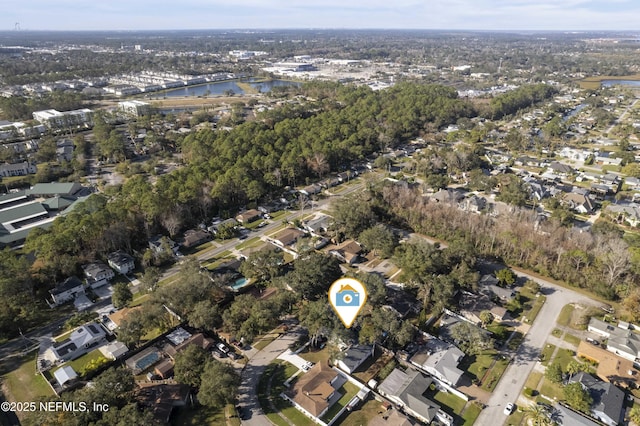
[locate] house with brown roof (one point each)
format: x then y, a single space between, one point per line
162 399
348 252
194 237
317 390
471 305
249 216
288 236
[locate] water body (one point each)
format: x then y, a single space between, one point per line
222 87
574 111
609 83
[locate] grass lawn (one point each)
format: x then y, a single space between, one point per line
494 375
295 416
551 390
262 343
199 416
536 305
202 248
565 314
547 352
249 243
363 415
80 364
24 384
138 299
570 338
470 414
350 390
277 215
451 404
564 357
533 380
516 418
477 365
315 355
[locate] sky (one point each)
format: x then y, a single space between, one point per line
555 15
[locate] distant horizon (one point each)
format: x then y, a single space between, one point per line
631 32
446 15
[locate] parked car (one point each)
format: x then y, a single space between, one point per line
508 409
221 346
592 341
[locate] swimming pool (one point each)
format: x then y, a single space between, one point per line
240 283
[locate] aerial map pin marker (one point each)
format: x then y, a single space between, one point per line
347 296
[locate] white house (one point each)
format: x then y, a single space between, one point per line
134 108
81 340
18 169
621 341
67 290
97 274
121 262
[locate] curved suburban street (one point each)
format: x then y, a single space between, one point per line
526 356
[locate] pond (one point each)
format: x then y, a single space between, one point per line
223 87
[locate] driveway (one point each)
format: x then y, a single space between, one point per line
527 354
247 392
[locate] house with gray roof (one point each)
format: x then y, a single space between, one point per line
121 262
97 274
67 290
608 400
354 357
565 416
406 389
621 341
439 359
82 340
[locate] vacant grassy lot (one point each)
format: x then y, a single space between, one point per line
565 314
23 384
364 414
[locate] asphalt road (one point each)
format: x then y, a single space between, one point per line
247 392
527 354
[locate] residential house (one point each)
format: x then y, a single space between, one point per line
348 252
162 399
18 169
621 341
561 169
605 159
401 302
121 262
608 400
318 225
160 243
406 389
64 150
472 305
164 368
288 236
610 367
439 359
65 374
79 342
625 213
114 350
249 216
354 357
489 285
452 196
473 204
311 189
193 238
67 290
97 274
632 182
118 316
578 202
316 391
566 416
